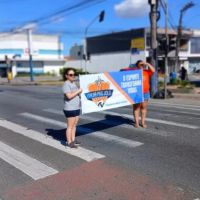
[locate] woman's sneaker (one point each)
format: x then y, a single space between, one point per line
72 145
76 142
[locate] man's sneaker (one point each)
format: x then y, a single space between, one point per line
76 142
72 145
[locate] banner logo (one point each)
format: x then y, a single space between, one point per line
99 92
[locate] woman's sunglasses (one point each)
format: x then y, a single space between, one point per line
71 75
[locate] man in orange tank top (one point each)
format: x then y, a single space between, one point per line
148 71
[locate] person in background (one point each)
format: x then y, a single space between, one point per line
147 70
183 73
71 106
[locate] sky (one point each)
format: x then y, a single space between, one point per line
120 15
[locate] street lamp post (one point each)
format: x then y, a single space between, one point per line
179 31
29 34
28 29
101 19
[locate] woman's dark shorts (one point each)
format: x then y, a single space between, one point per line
71 113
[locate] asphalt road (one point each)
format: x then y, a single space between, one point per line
115 161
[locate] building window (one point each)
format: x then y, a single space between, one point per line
195 45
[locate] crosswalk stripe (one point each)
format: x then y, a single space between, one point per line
54 111
163 110
44 119
97 134
30 166
82 153
86 117
173 104
154 120
179 107
176 112
111 122
131 117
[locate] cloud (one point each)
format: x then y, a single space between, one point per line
132 8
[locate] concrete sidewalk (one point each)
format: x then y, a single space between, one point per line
26 80
17 81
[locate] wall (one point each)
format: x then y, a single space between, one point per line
23 67
43 46
53 67
106 62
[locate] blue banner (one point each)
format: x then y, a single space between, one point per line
111 90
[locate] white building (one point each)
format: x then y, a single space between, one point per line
193 54
47 51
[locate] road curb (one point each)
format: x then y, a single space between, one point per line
18 84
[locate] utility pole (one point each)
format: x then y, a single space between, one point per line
179 32
153 20
167 48
29 37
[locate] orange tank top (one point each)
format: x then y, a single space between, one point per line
146 80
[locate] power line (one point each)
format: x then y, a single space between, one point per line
84 4
170 15
73 8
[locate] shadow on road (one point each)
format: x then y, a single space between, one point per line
110 121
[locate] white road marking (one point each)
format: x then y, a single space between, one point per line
86 117
54 111
174 104
169 106
178 107
112 122
176 112
154 120
25 163
115 139
98 134
82 153
45 120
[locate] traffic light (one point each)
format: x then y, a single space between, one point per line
78 53
162 45
6 59
88 55
172 43
101 16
